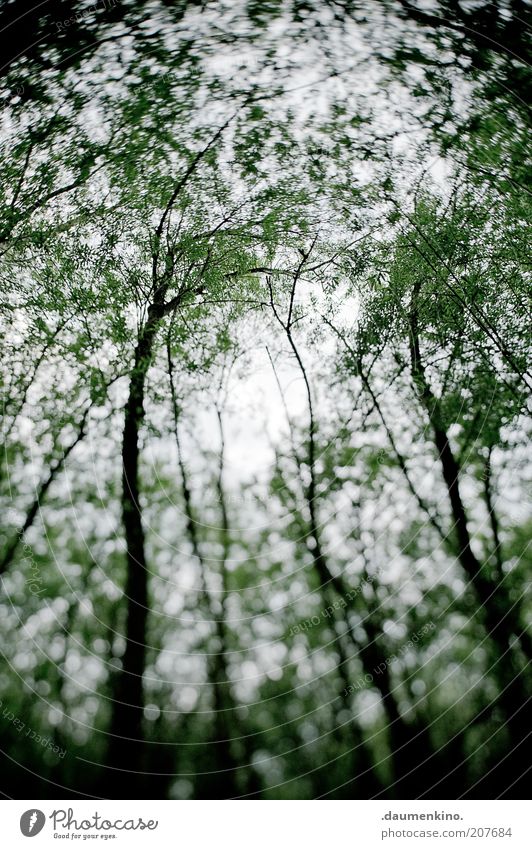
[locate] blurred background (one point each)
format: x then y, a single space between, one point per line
265 375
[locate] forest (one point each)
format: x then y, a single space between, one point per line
265 477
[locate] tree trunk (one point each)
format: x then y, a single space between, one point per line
400 732
502 620
126 746
500 616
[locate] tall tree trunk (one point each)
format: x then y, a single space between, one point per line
500 615
371 655
365 782
225 785
498 559
221 783
126 745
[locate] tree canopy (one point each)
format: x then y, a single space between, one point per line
265 379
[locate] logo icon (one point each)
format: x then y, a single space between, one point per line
32 822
